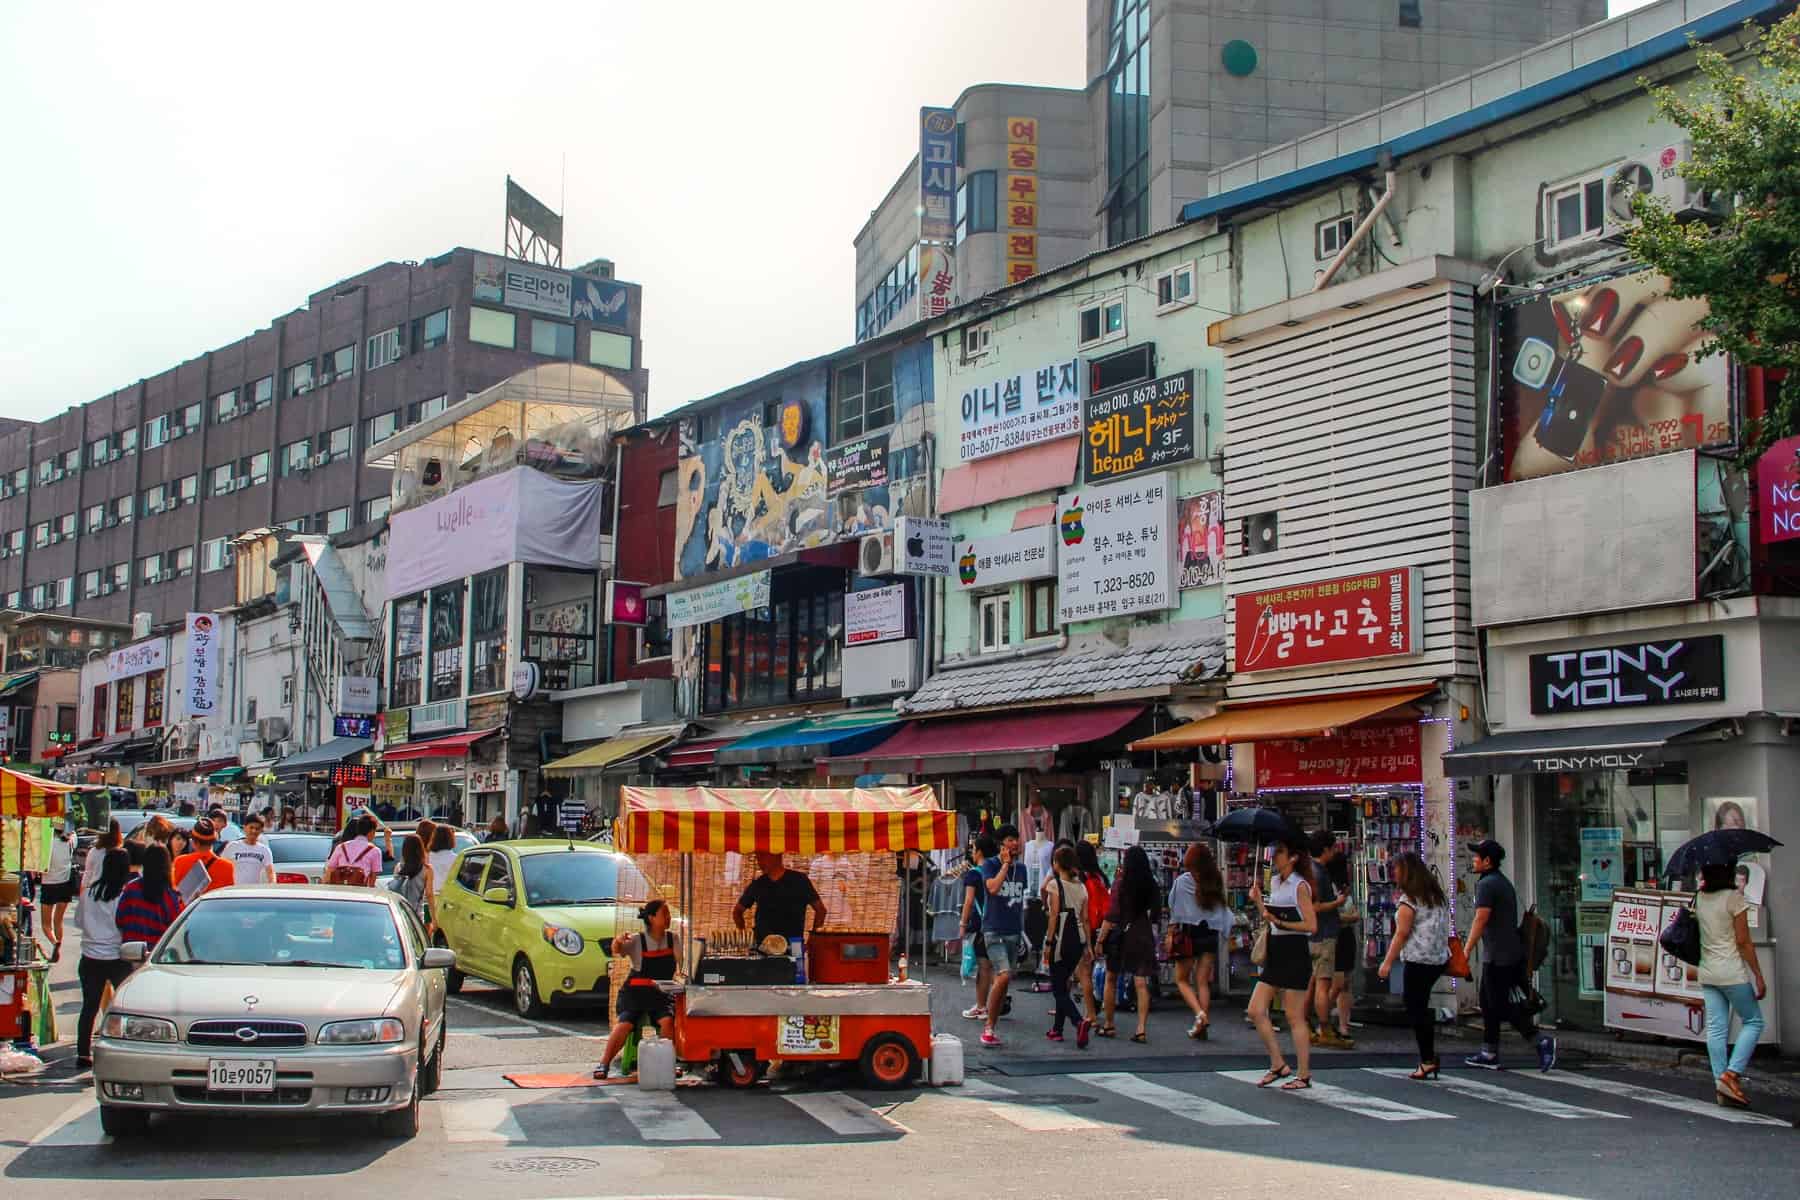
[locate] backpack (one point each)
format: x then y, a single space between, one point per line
1534 936
410 888
352 874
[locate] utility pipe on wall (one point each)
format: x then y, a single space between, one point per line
1361 231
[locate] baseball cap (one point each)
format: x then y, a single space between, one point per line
1489 848
202 830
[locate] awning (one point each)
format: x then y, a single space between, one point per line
120 749
23 795
182 766
455 745
783 820
320 758
16 682
700 753
697 755
1571 748
844 733
611 753
1014 741
228 775
1284 719
1048 467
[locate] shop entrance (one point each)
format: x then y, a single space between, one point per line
1593 832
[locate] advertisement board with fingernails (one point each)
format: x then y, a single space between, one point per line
1602 370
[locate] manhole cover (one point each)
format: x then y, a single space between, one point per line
546 1165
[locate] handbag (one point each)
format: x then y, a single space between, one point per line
1457 966
969 965
1259 946
1681 937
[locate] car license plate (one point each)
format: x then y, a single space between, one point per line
240 1074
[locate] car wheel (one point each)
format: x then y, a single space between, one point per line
525 989
119 1122
431 1070
453 978
403 1123
888 1061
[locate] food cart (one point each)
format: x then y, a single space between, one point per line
27 805
739 1009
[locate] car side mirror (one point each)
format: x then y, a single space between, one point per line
497 895
437 958
132 952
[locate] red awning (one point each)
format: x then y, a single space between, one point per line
1007 741
184 766
1049 467
455 745
700 754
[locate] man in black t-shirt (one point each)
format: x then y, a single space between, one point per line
781 898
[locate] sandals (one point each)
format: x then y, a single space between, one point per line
1298 1083
1107 1031
601 1071
1275 1075
1140 1039
1426 1071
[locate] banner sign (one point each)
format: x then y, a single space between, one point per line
1202 522
358 696
485 525
203 652
1329 621
875 615
1020 203
1631 675
136 659
710 601
855 465
1006 557
1388 753
353 727
1144 427
601 301
625 603
1778 491
522 285
1021 410
1118 549
937 280
922 545
937 174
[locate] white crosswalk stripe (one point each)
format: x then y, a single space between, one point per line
844 1115
485 1119
661 1117
1182 1104
1630 1091
1476 1090
1021 1111
1347 1100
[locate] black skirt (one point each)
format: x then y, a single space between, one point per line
1289 962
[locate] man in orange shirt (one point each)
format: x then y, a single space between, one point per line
220 873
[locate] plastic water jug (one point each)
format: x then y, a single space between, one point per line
946 1060
656 1064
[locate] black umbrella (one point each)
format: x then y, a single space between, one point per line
1717 847
1252 825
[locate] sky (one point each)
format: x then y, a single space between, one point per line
191 171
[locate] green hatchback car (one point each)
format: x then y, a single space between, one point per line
538 917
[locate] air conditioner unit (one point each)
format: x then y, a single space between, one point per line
106 589
271 729
286 749
5 552
179 431
1657 174
319 460
115 455
55 538
109 521
875 556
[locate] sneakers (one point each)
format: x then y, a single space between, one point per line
1487 1060
1083 1030
988 1038
975 1012
1055 1035
1546 1050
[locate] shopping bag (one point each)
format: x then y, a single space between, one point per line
969 962
1457 967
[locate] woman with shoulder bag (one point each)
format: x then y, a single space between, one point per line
1198 918
1066 943
411 880
1422 942
1128 941
1731 979
1287 960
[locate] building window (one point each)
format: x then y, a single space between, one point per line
225 407
447 641
1575 211
256 467
262 392
654 642
491 327
340 363
90 584
215 555
1175 288
790 651
994 622
376 509
125 706
337 520
71 461
1040 608
97 726
380 428
21 479
40 535
1410 16
407 685
552 338
424 410
156 432
337 444
191 416
121 576
666 488
433 329
67 525
300 378
865 397
977 207
287 691
155 685
975 341
487 632
1100 321
15 541
382 349
122 510
184 562
65 591
186 490
609 349
95 518
1127 75
296 457
1331 236
221 479
559 627
155 500
99 450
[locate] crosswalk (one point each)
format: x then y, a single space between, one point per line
1083 1103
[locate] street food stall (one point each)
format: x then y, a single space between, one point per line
742 1005
28 805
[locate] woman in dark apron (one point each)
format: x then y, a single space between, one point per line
653 957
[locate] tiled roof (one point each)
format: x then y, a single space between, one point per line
1189 653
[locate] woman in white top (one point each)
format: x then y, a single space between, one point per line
59 887
1198 918
100 965
1731 979
1287 965
443 852
1422 942
1066 942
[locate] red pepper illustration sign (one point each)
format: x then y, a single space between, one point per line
1329 621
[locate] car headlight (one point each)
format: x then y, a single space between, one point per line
563 938
128 1027
362 1033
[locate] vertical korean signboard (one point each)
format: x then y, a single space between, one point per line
937 174
1328 621
1020 202
202 664
1118 549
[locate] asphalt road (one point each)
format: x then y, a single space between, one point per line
1030 1124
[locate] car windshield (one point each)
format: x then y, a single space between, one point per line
299 847
570 877
279 932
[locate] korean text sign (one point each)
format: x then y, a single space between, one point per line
1363 754
1143 427
203 664
1118 549
937 174
1328 621
1021 410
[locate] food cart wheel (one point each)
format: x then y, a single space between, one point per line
728 1074
889 1061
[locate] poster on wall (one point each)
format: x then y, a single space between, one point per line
1021 410
875 615
1202 522
1602 371
1328 621
1118 549
1602 862
854 465
1141 427
1741 812
202 676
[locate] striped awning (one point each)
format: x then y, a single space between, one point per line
23 795
782 820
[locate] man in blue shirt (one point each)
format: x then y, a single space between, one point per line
1003 924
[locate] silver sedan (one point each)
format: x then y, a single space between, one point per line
272 1001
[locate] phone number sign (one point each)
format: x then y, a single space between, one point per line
1021 410
1329 621
1144 427
1118 549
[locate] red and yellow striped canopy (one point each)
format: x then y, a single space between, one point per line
23 795
706 820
